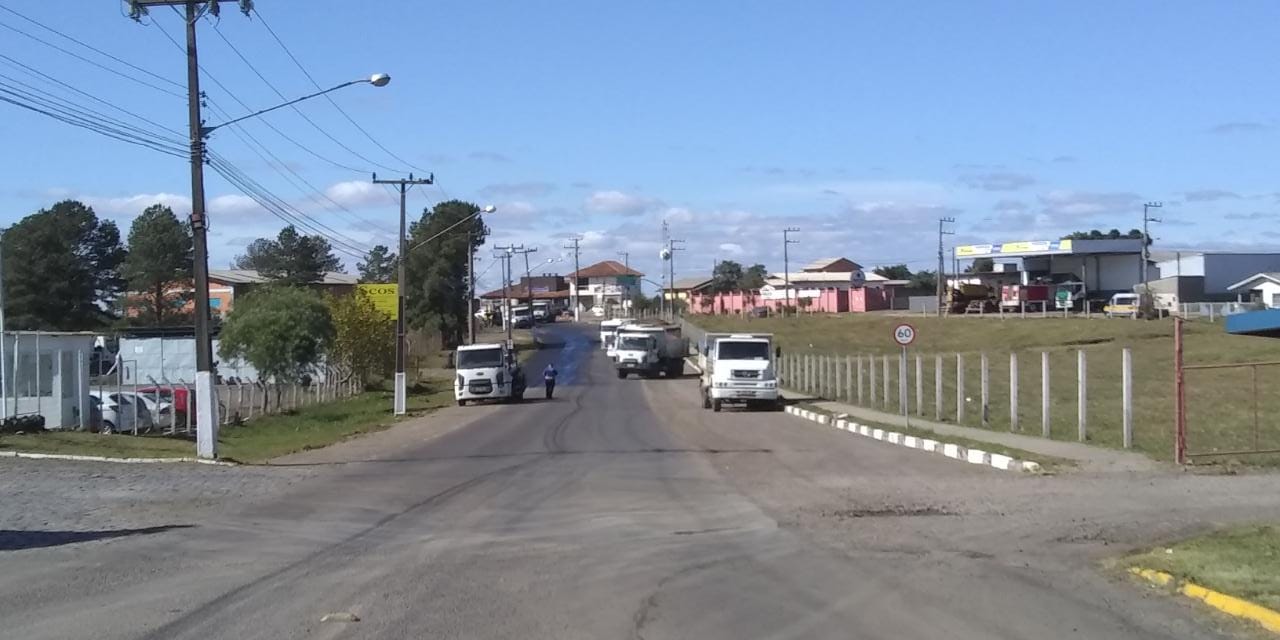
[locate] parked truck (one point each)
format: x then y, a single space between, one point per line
649 350
738 368
487 372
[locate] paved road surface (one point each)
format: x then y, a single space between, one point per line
622 510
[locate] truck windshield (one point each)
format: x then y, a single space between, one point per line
636 343
726 350
479 358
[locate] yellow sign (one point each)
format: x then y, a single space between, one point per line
964 251
1024 247
384 297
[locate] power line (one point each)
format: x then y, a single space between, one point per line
295 109
88 120
92 62
93 49
333 102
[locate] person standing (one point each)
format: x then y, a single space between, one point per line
549 378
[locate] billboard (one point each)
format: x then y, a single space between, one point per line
1023 248
384 297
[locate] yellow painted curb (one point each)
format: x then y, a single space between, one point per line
1229 605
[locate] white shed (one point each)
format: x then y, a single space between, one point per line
46 373
1261 287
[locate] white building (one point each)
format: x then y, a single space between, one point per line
1261 287
1221 270
51 376
604 284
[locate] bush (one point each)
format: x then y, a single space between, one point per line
23 424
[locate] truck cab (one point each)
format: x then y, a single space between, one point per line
738 368
487 372
542 312
649 350
609 333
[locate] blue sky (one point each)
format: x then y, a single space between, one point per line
859 122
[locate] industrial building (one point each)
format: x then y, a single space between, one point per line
1208 276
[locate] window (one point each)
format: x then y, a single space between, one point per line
479 358
584 282
1275 300
33 379
742 350
635 343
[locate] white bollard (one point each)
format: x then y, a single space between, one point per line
1082 395
937 388
959 388
1044 394
984 375
1013 392
1127 393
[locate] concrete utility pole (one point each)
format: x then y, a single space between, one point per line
1146 236
471 287
786 265
505 254
671 270
626 259
941 286
574 285
527 275
399 405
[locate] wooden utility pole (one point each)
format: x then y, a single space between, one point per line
399 405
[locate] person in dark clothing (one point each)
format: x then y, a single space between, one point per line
549 378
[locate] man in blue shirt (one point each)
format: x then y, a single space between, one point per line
549 377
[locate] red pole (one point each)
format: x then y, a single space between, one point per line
1180 397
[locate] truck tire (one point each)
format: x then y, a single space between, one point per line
462 403
706 400
715 406
622 375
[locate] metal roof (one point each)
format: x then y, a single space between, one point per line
605 269
1247 283
249 276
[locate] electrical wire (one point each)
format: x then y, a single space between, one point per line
296 110
262 19
92 62
12 97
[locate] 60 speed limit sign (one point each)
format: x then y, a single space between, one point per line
904 334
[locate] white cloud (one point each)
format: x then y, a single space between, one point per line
997 180
233 205
618 202
518 189
357 193
732 248
1209 195
1079 204
133 205
516 209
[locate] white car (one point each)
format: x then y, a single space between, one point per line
118 411
161 410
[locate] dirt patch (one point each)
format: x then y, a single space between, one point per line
886 512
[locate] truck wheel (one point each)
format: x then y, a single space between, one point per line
622 375
777 405
706 400
715 406
462 403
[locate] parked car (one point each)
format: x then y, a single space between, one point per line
160 410
1122 305
175 397
118 411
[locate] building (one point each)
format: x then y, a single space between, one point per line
51 376
1101 267
604 284
1219 270
554 288
1263 288
686 287
828 285
226 284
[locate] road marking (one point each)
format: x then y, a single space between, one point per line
1229 605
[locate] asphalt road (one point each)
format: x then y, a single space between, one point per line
622 510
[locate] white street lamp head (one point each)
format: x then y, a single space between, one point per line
488 209
379 79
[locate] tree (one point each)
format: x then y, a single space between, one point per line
753 278
894 272
437 297
291 258
61 269
379 265
926 280
282 331
158 267
981 265
364 337
726 277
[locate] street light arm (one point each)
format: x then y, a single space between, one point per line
205 131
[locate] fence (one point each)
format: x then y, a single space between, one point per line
1224 409
1081 394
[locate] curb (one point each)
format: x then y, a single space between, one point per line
953 451
60 456
1229 605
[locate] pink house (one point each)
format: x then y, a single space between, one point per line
830 285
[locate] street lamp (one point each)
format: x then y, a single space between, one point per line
471 279
206 393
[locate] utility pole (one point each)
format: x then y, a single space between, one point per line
471 287
626 259
399 405
942 231
574 285
205 379
528 277
505 254
671 270
786 265
1146 236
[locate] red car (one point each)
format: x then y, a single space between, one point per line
176 397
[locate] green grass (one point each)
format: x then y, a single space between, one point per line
256 441
1243 562
1219 401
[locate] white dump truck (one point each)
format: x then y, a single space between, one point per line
609 333
649 350
738 368
487 372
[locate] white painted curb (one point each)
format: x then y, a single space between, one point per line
950 450
61 456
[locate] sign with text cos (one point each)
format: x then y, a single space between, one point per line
384 297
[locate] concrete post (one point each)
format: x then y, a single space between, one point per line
960 388
1044 393
860 379
871 372
884 381
1127 393
920 385
848 377
903 407
1082 396
985 376
937 388
1013 392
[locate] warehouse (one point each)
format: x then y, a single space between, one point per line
1100 267
1216 271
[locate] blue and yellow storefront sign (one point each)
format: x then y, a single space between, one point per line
1030 247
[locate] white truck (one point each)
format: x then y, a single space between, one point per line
487 372
738 368
609 333
649 350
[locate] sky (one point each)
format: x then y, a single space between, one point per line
859 123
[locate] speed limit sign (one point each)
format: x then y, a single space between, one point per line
904 334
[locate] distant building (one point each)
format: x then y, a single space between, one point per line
554 288
226 284
47 373
1219 270
1262 288
604 284
685 287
